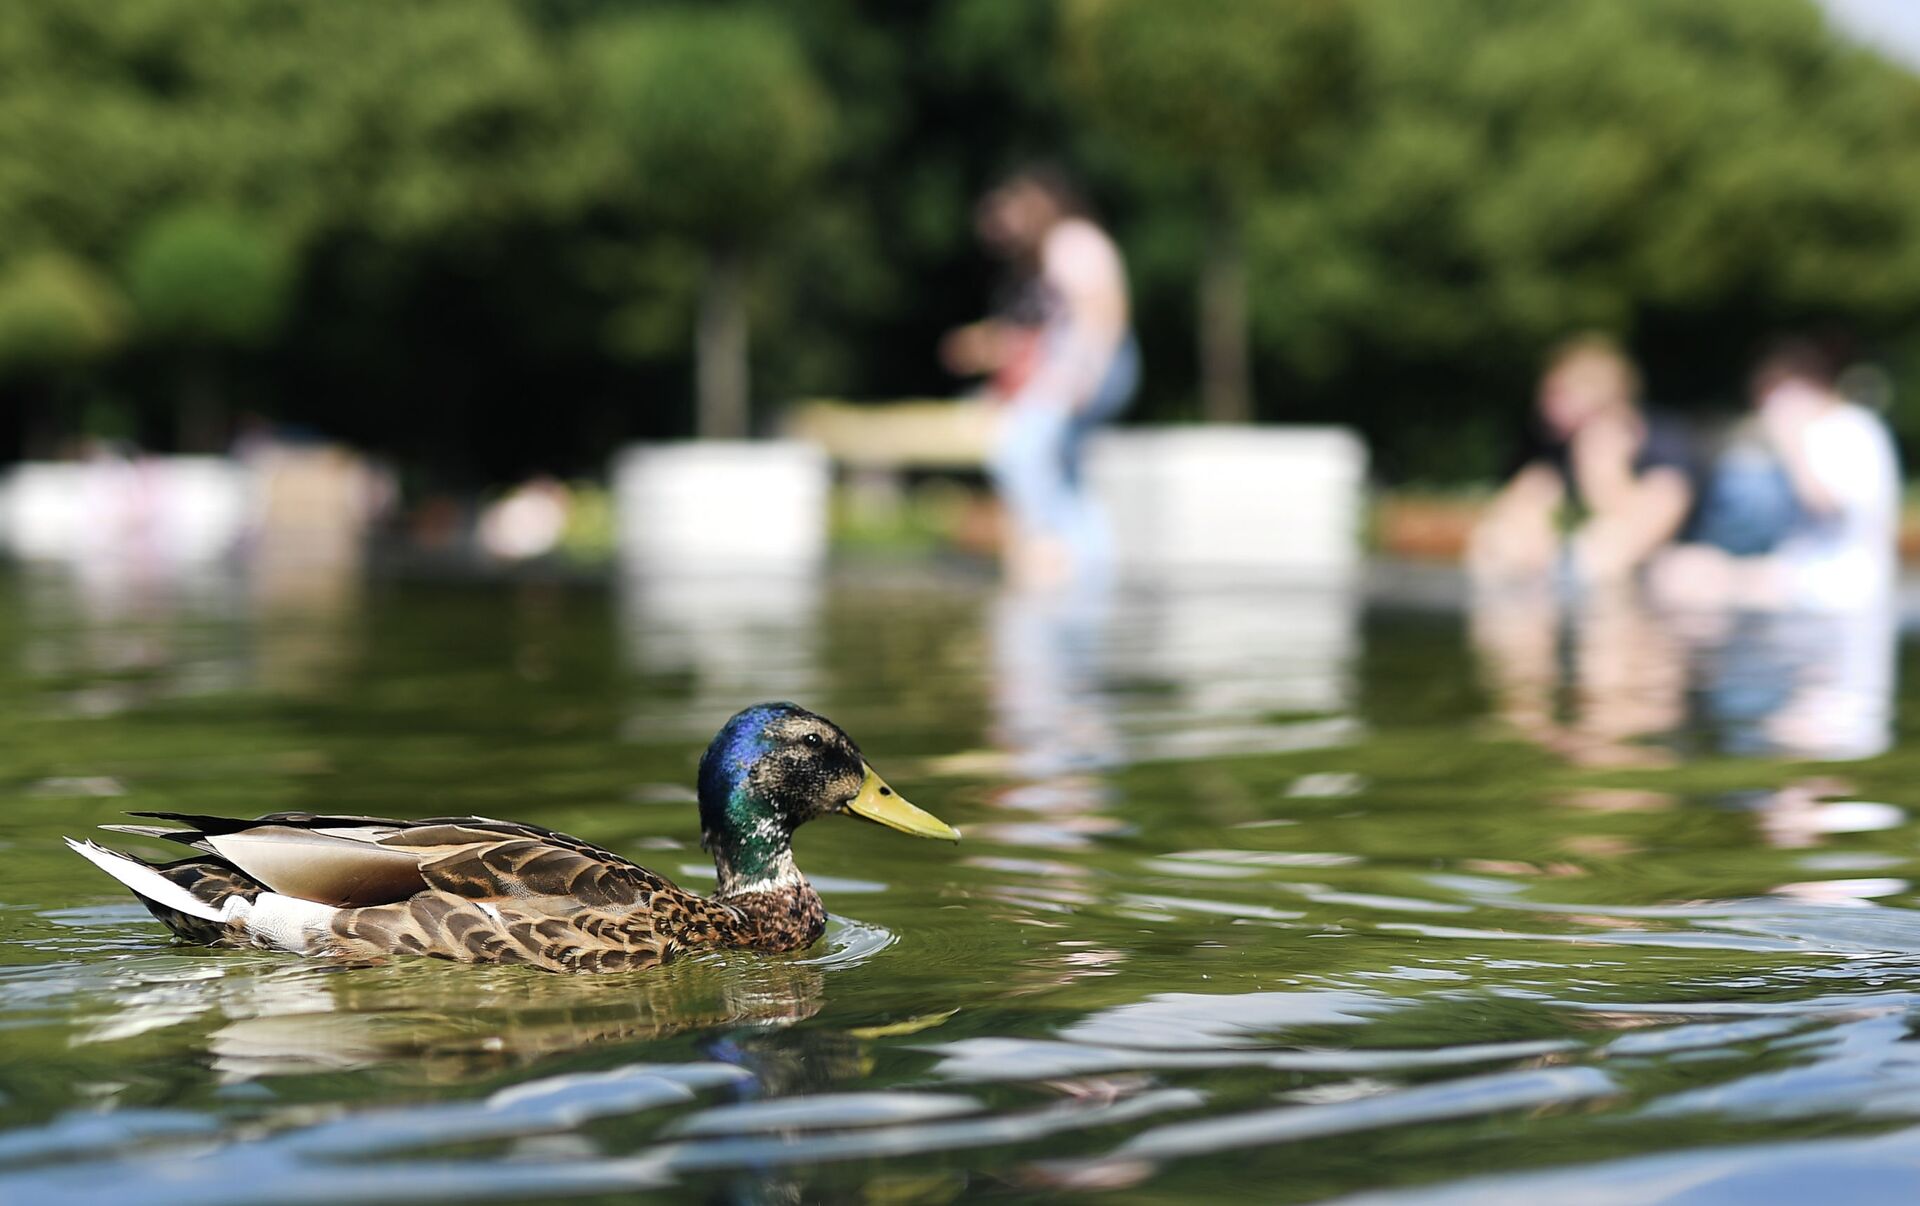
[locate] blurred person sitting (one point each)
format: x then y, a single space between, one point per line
1061 356
1593 449
1817 522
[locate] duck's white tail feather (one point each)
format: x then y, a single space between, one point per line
145 881
284 923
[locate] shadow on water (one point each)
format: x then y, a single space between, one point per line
1268 894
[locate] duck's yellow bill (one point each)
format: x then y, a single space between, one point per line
878 802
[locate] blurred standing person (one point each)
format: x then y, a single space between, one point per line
1837 547
1593 448
1063 360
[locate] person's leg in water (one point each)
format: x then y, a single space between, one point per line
1029 470
1108 402
1089 537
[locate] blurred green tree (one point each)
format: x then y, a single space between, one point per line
724 124
1690 176
58 315
416 121
56 312
209 277
1236 94
394 147
497 231
206 282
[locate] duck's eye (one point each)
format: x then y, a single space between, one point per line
812 739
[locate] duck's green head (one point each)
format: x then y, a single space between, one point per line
775 766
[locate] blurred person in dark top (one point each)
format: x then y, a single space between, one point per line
1814 522
1628 475
1062 358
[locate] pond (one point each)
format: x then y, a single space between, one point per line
1267 894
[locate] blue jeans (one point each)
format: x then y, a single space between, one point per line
1748 505
1108 402
1036 466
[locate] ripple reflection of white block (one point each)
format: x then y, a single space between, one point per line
1287 648
734 634
720 545
1273 500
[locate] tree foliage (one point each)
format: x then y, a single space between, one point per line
1689 175
722 124
1233 98
1230 91
402 120
208 277
56 313
718 111
497 215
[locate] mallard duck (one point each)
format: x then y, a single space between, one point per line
484 891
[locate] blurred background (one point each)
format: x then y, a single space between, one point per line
476 241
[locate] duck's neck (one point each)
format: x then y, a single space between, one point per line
749 867
773 906
778 909
752 849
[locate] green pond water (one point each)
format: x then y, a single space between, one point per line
1267 894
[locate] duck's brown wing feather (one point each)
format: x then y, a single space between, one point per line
527 900
522 867
357 861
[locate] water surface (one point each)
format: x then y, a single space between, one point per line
1268 894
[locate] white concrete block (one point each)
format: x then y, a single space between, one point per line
722 506
1286 500
172 509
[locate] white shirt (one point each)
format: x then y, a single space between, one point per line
1848 558
1083 270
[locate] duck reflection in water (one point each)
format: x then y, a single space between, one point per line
448 1026
454 1041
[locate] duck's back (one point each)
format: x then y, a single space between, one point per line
470 889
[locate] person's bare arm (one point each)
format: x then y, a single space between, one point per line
1646 515
1785 417
1535 490
1602 454
1515 535
978 349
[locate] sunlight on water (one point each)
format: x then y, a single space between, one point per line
1275 894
